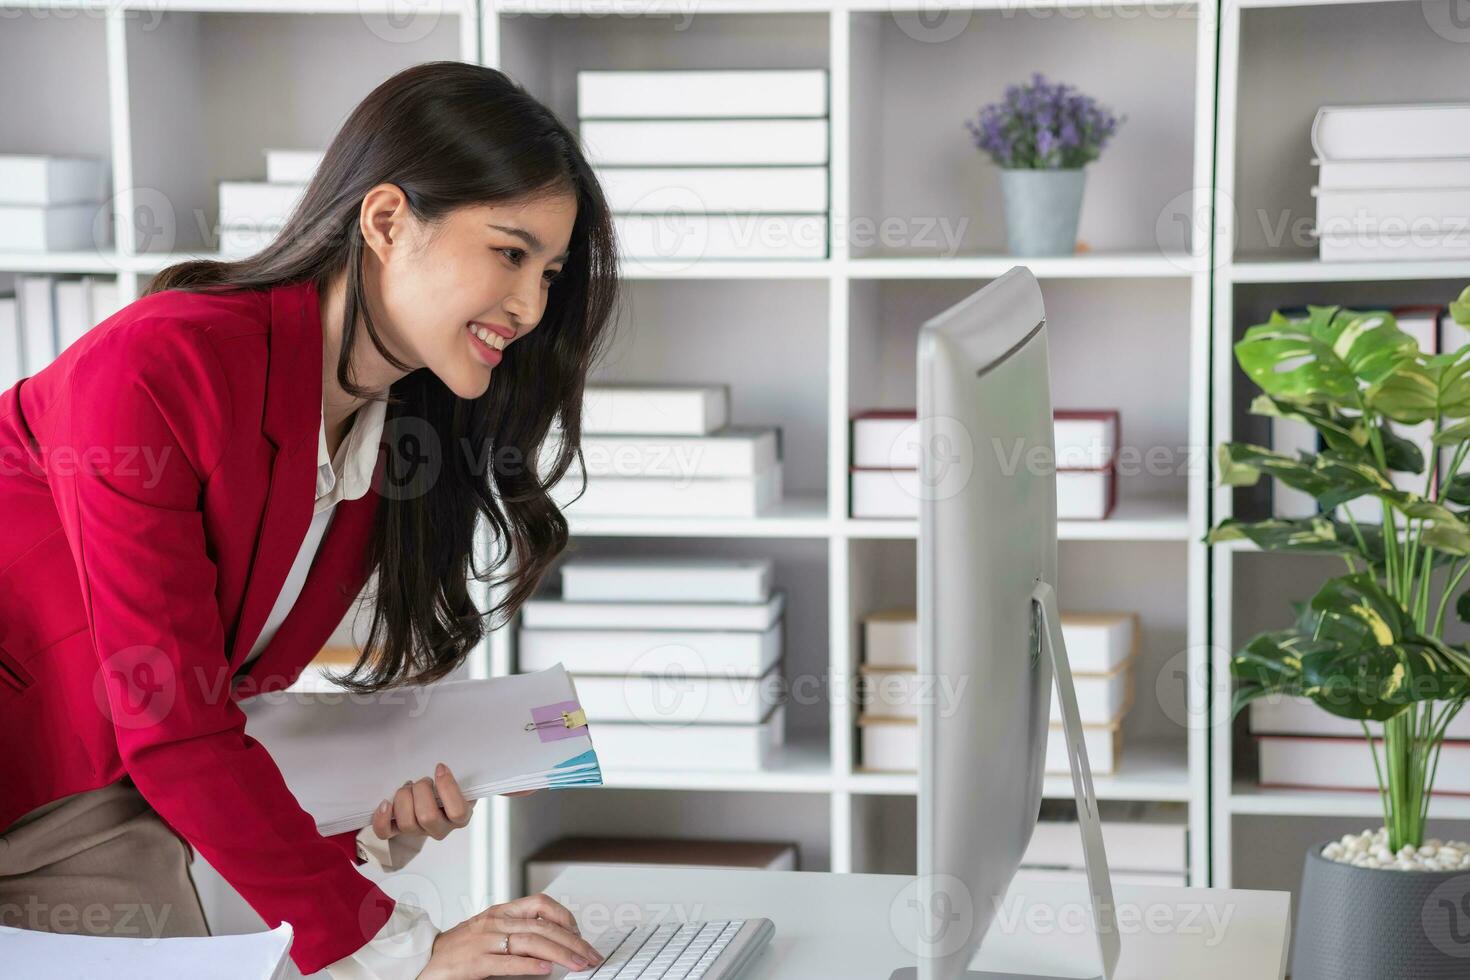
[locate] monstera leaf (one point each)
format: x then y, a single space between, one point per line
1323 358
1420 388
1310 535
1331 477
1353 650
1346 434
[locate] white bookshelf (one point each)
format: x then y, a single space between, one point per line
1280 60
846 327
188 93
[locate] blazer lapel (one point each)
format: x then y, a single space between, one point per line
293 398
333 584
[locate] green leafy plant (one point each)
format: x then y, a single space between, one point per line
1369 644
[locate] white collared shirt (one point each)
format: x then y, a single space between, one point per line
401 948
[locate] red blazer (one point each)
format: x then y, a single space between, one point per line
156 482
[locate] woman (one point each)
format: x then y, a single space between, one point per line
443 287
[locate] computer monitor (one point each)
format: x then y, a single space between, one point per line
989 630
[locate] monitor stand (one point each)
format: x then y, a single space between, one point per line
1099 883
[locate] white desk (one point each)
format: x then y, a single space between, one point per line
854 927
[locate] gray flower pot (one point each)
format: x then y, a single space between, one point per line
1042 208
1371 924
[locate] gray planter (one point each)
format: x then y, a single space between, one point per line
1042 208
1371 924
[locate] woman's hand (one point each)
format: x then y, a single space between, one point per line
525 936
415 809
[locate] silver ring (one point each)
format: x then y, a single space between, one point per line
505 944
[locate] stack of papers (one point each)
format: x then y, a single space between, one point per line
341 753
50 956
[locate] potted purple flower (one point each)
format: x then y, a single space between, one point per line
1042 136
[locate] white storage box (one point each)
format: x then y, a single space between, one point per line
724 653
892 745
721 748
47 181
678 699
58 228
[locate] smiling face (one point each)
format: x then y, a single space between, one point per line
452 296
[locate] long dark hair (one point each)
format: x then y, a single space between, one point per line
450 134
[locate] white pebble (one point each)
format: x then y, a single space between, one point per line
1369 849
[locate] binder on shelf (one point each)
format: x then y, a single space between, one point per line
37 304
12 359
81 304
717 92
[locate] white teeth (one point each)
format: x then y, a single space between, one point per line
489 337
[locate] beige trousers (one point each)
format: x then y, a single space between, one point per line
98 863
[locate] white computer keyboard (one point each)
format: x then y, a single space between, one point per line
678 950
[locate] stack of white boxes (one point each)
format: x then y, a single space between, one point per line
1146 843
53 204
1393 182
667 451
252 212
711 164
885 463
677 660
1101 649
1304 746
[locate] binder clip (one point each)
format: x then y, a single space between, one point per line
557 721
568 719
